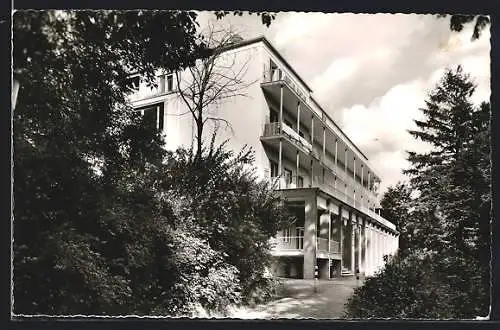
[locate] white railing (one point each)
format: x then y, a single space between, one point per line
273 129
296 136
288 243
276 74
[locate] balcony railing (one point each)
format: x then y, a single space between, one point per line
288 243
277 74
273 129
305 181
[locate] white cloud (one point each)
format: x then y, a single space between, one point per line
373 72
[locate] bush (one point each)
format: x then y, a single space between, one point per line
221 201
405 288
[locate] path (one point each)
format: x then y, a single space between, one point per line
298 300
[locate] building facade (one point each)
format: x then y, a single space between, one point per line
327 181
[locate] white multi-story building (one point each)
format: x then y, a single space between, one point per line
326 179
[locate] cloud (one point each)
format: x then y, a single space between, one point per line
372 73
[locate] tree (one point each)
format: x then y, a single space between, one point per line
457 23
448 227
230 208
212 80
92 232
396 203
78 150
455 179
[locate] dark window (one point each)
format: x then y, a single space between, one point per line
153 116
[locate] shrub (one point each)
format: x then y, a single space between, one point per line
406 288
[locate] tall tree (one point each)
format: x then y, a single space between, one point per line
92 234
454 180
213 80
448 227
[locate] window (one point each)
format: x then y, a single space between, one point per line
133 83
170 82
153 116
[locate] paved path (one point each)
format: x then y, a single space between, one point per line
299 300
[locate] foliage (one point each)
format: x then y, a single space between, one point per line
266 18
449 222
407 288
457 23
235 213
93 233
395 205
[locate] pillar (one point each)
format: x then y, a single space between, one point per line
310 237
298 117
353 247
324 143
312 130
297 170
280 155
341 238
360 245
281 110
336 154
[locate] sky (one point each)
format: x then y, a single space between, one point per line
372 72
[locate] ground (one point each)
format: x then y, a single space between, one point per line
299 299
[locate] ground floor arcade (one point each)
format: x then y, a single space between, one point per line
328 234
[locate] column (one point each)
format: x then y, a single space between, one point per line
362 185
280 154
341 239
310 223
297 170
353 247
298 117
336 154
312 173
360 245
281 109
345 162
324 142
365 247
369 244
376 257
312 130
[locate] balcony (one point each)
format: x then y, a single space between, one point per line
273 130
294 245
287 245
305 181
278 75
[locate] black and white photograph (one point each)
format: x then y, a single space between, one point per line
250 165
